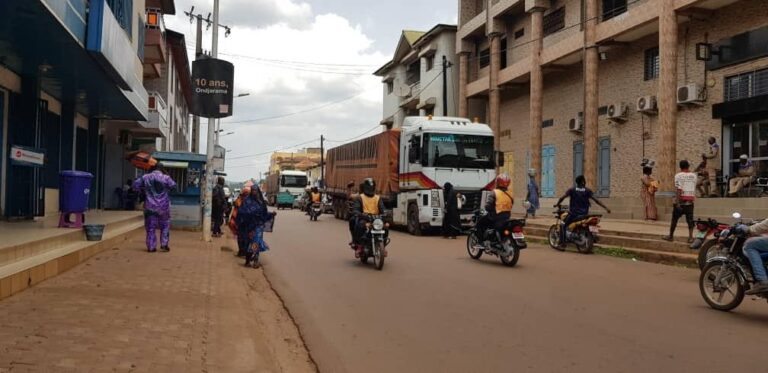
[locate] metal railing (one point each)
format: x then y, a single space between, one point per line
746 85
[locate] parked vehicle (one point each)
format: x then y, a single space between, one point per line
728 276
505 243
284 200
705 239
411 164
284 185
314 210
376 241
583 232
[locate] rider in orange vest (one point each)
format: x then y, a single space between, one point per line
367 204
498 205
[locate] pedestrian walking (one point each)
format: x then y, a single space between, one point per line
218 207
685 195
242 239
743 176
252 215
451 219
532 198
702 178
648 192
155 187
712 157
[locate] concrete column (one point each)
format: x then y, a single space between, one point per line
667 94
591 93
463 82
537 88
93 161
67 156
494 98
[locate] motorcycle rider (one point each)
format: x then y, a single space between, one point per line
579 205
755 246
367 203
498 206
315 196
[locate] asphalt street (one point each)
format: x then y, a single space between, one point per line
434 309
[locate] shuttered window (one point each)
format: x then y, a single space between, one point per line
651 63
554 21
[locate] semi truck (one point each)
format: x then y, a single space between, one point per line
284 188
410 166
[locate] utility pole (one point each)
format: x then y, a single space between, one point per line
445 86
210 139
322 162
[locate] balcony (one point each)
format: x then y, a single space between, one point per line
411 99
158 116
155 52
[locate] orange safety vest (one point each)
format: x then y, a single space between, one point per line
504 201
315 197
370 204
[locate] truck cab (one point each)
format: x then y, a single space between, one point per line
436 150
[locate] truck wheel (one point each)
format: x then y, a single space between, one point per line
414 227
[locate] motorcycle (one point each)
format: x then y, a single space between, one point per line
583 232
505 243
707 246
375 241
314 210
729 274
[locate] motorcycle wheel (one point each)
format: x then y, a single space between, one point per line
718 280
554 237
363 258
510 260
474 249
589 244
378 255
709 250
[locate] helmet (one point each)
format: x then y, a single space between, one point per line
314 189
368 187
503 181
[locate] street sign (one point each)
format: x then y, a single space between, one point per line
29 157
212 82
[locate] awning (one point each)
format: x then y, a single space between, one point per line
428 103
429 50
387 121
744 110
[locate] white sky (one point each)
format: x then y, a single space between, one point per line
338 45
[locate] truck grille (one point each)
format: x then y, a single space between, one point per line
473 202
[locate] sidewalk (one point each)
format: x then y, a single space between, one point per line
193 309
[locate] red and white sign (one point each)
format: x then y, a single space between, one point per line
26 156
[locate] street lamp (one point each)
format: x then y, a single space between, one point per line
218 121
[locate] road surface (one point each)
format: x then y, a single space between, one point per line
433 309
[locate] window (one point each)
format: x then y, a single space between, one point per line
484 58
651 63
519 33
602 110
503 53
141 31
462 151
612 8
123 12
430 60
554 21
390 87
548 123
746 85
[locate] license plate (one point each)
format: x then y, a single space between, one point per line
594 229
701 234
518 236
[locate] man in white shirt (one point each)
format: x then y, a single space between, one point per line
685 194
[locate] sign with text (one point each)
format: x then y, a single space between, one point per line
212 84
30 157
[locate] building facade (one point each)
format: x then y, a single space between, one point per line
594 87
301 160
415 81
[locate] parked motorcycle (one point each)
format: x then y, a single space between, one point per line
705 239
583 232
315 210
728 276
505 243
375 241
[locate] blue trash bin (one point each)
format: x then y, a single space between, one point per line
74 190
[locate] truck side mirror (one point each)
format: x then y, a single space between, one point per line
500 159
414 151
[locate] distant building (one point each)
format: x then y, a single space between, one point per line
413 80
301 160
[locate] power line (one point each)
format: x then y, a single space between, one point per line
253 121
276 150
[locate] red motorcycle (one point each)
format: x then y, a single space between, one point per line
705 239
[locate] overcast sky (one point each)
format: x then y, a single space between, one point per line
299 55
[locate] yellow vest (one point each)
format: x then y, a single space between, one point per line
504 201
370 204
316 197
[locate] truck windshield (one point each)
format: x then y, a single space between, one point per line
291 181
458 151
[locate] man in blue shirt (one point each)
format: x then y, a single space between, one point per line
580 197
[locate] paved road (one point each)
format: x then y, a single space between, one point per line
434 309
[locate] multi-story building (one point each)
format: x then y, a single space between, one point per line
593 87
413 80
300 160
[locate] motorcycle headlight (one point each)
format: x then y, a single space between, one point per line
378 224
435 198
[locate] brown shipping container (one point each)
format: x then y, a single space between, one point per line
375 157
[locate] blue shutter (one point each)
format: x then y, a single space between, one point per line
578 159
604 167
548 171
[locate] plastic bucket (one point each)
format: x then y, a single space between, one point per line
93 232
74 190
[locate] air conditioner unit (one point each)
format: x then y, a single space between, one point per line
647 105
691 93
617 112
576 124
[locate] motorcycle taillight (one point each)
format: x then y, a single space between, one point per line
517 229
701 227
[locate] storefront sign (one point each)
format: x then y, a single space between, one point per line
212 84
29 157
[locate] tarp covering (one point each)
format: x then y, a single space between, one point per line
375 157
